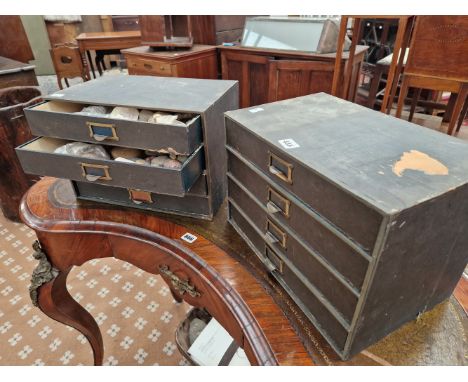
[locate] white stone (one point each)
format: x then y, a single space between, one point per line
122 112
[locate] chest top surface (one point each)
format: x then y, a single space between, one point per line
147 92
389 163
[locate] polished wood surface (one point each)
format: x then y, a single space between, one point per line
267 75
461 293
200 61
90 37
72 233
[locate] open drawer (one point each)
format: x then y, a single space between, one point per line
38 157
61 119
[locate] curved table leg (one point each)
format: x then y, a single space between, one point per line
55 301
49 292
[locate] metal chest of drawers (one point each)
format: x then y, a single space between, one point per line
361 217
197 189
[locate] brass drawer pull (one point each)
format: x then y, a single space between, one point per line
272 208
102 131
268 264
148 66
274 260
139 196
270 238
277 203
280 168
93 172
274 235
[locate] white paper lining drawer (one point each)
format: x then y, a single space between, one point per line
38 157
60 120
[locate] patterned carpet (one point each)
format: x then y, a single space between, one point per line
134 310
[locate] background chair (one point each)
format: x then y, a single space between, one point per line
437 60
68 63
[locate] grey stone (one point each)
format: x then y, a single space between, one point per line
145 115
195 328
182 158
85 150
94 110
165 162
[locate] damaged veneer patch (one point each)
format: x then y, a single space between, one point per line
418 161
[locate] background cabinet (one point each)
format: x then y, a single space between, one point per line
267 75
200 61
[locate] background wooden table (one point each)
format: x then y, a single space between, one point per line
106 41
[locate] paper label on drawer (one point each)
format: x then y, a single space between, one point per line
288 143
188 237
256 110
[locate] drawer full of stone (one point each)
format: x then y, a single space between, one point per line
69 120
38 157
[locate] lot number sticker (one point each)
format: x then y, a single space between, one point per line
188 237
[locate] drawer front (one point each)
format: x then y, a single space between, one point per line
286 244
284 208
58 120
190 205
325 322
37 157
149 67
360 222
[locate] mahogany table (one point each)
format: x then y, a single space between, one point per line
106 41
216 271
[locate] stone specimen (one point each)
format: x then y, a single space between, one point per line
122 112
165 162
131 160
195 328
182 158
145 115
85 150
126 152
165 118
94 110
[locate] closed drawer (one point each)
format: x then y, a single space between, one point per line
284 242
360 222
38 157
192 204
59 120
341 252
312 306
149 67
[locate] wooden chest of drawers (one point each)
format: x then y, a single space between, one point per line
361 217
197 188
200 61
